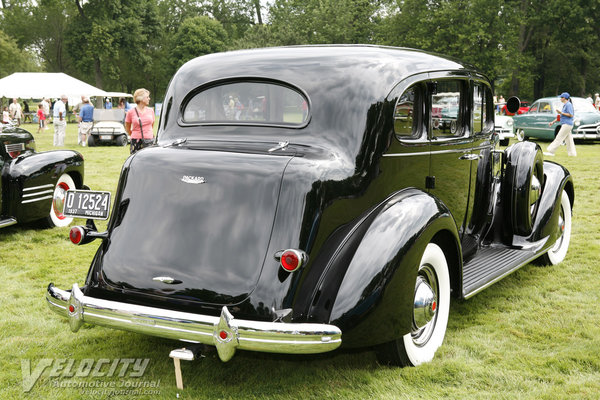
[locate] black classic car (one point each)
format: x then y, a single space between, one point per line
303 198
34 184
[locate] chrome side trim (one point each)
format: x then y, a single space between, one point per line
38 193
38 187
429 153
225 332
36 199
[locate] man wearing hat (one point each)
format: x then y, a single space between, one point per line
565 116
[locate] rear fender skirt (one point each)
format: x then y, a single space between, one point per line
377 287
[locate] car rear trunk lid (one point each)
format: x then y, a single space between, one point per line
194 224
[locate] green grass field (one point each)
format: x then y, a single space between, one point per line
534 335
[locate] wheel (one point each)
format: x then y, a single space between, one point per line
91 141
558 252
56 217
521 135
504 142
431 307
122 140
523 182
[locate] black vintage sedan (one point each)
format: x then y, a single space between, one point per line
34 184
303 198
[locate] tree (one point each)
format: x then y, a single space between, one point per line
13 59
111 39
198 36
323 21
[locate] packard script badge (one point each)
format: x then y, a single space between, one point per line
193 179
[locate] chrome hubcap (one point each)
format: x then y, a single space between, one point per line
535 192
425 305
58 200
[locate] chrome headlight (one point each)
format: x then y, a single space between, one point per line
509 122
577 122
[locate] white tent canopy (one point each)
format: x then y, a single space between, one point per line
35 85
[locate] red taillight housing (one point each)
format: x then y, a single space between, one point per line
77 234
292 259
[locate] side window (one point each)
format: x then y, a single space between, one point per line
534 108
545 108
408 113
445 109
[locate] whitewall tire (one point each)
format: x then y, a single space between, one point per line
429 323
558 252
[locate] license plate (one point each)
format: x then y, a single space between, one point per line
87 204
105 137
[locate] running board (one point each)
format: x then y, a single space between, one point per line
492 264
7 222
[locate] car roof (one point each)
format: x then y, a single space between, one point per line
314 68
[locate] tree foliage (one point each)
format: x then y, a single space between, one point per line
198 36
13 59
528 48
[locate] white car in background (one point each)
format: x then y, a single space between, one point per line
504 127
108 128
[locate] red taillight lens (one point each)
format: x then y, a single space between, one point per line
76 234
14 154
290 260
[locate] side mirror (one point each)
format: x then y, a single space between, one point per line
513 104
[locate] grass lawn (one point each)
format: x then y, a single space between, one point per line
533 335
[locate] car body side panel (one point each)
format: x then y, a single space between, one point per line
374 302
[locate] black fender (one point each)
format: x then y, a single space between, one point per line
40 172
557 179
374 302
524 163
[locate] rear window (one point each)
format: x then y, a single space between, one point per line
247 102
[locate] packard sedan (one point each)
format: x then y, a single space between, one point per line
34 184
535 123
301 199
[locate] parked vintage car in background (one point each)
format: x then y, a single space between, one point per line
523 108
108 128
34 184
330 211
504 128
534 124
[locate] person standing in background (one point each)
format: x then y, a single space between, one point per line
41 117
26 112
59 121
597 101
564 134
15 111
86 120
139 121
46 107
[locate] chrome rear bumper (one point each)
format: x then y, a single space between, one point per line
225 332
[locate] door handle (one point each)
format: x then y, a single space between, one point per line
469 157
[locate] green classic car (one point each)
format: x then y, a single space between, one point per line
535 123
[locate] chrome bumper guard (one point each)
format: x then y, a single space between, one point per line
225 332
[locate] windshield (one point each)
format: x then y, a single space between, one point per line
247 102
